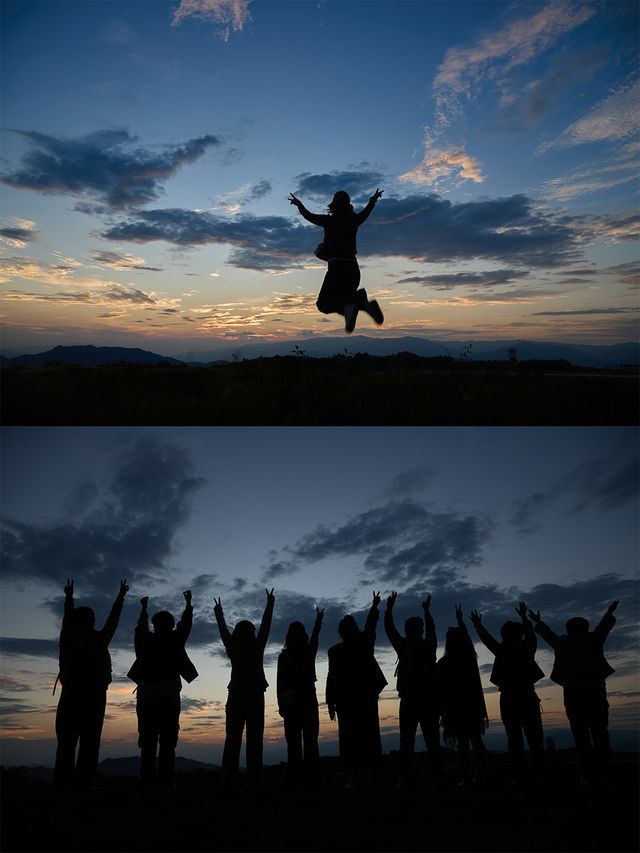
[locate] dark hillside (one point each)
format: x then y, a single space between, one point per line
294 390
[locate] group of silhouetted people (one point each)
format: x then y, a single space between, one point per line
445 693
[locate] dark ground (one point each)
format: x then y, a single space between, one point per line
399 390
557 815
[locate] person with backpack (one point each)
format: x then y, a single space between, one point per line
340 292
161 661
581 668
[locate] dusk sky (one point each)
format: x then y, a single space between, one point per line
481 517
148 149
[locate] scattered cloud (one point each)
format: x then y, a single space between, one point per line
605 482
360 183
230 15
442 162
117 261
419 227
107 167
128 528
397 542
490 278
615 119
18 233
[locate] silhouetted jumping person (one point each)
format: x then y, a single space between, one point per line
297 700
339 293
245 700
464 712
161 660
581 668
354 682
417 685
85 674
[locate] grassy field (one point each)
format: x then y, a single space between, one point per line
280 391
557 815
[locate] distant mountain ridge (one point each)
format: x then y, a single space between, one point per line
582 355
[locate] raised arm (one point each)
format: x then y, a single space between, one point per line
607 622
114 616
429 624
225 634
395 637
183 628
490 642
364 213
317 218
528 635
372 616
545 631
315 634
142 633
265 625
68 603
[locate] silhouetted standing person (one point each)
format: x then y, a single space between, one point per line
245 701
297 700
354 682
417 684
464 712
85 675
161 660
582 669
515 672
339 293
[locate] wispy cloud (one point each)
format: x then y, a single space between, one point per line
499 52
615 119
107 167
118 261
491 59
229 15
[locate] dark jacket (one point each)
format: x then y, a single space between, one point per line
339 229
161 657
354 673
297 674
463 707
247 669
579 661
515 667
84 656
417 675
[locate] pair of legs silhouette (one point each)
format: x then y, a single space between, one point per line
340 294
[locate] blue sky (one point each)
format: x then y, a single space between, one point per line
477 516
149 147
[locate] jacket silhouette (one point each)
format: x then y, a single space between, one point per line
515 672
161 661
417 683
582 669
297 699
245 700
85 674
354 681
